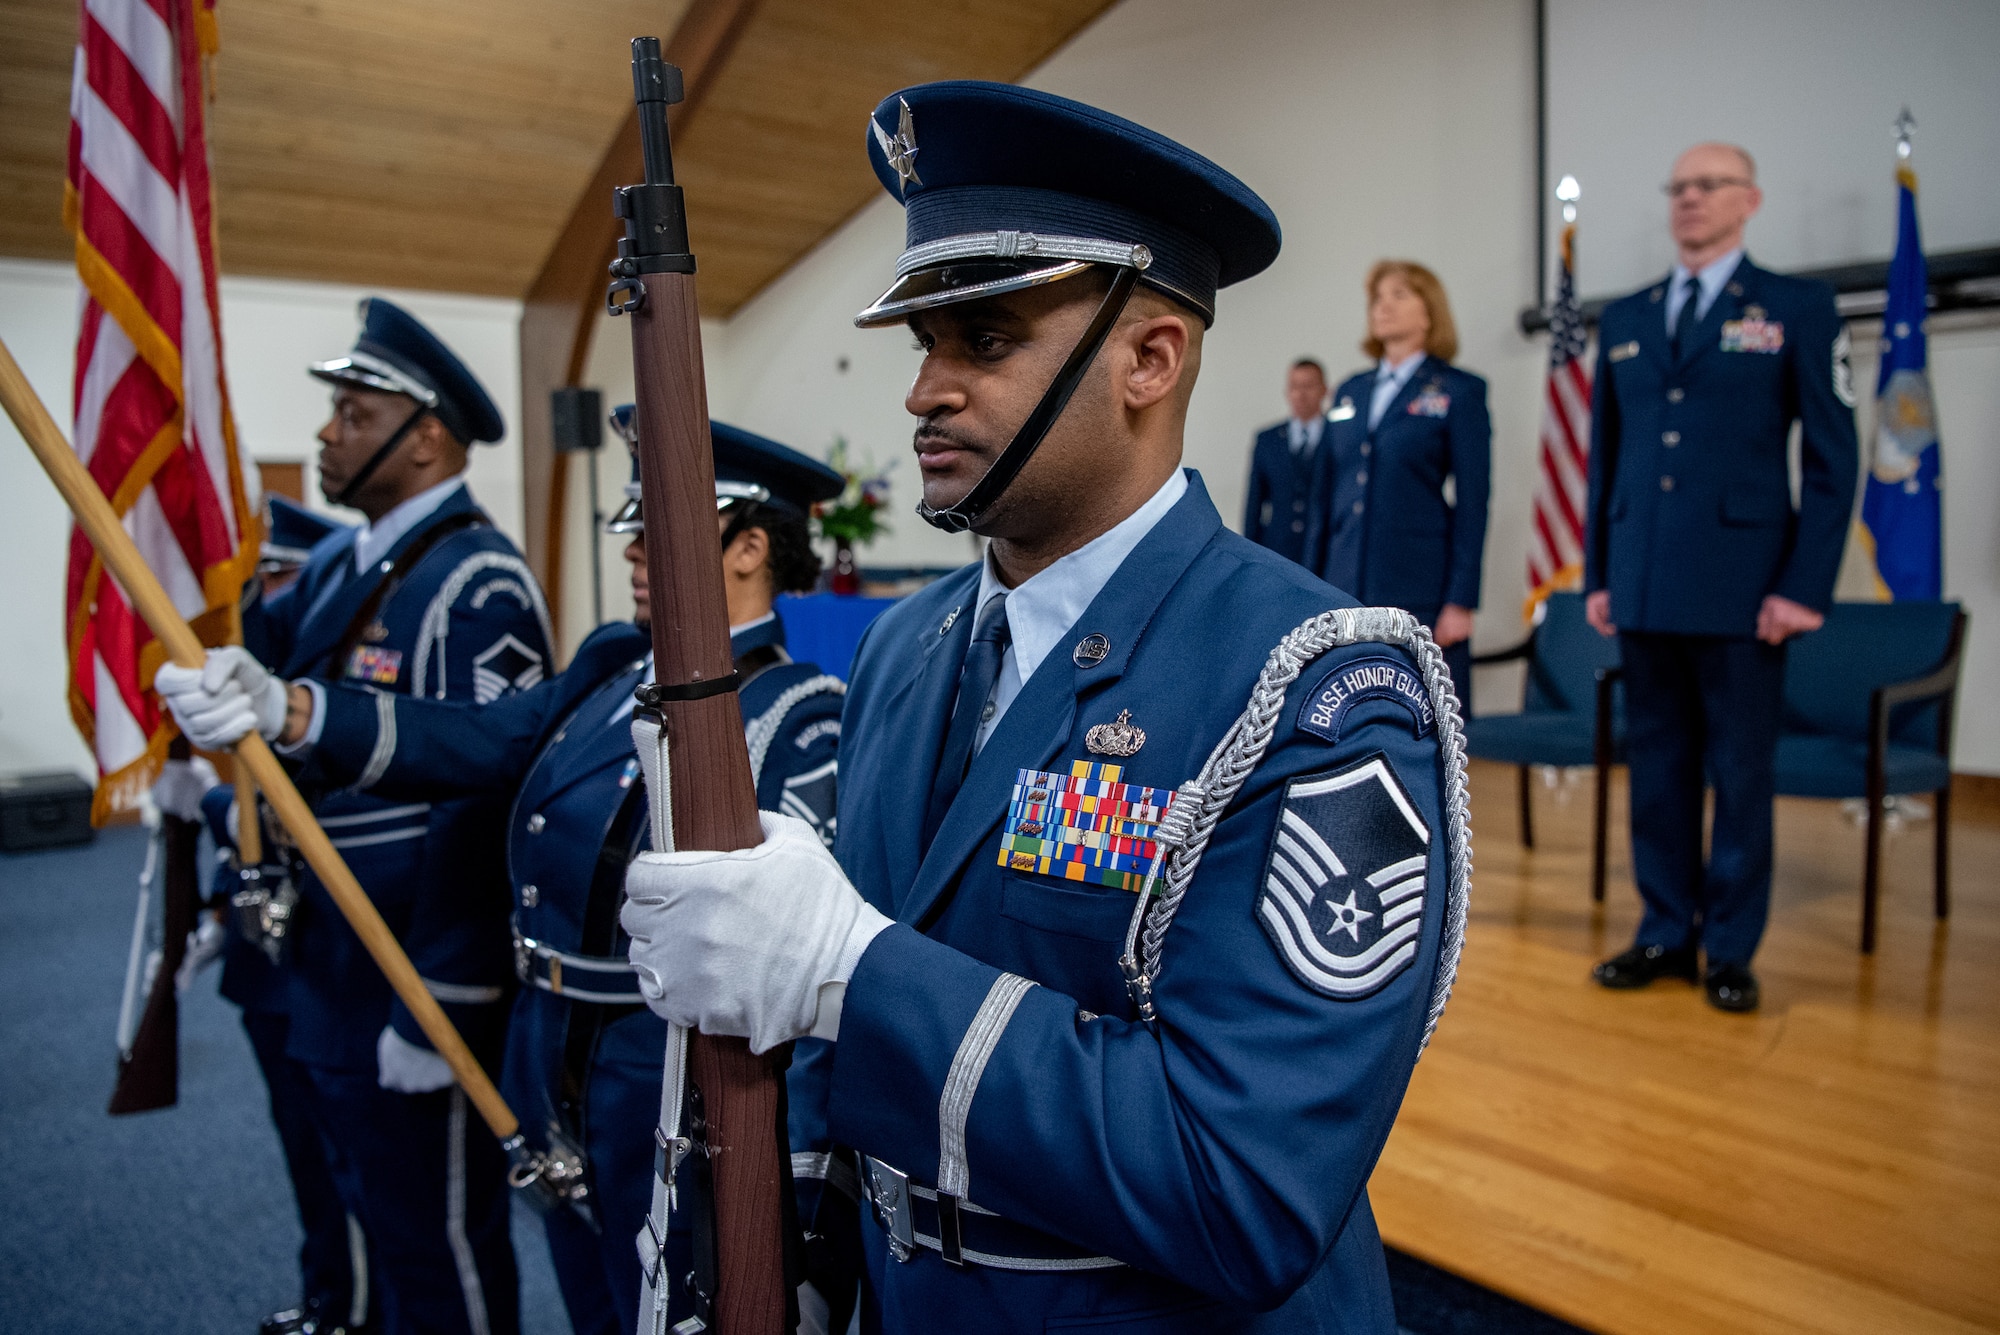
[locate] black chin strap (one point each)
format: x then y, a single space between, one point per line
962 516
375 460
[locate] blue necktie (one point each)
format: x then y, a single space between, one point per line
1684 326
990 638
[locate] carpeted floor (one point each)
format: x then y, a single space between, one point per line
176 1222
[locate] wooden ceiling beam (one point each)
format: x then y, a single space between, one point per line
560 309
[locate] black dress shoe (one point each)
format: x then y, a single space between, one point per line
1645 964
1731 987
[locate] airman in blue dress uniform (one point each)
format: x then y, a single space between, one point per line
1151 861
584 1054
1275 510
1696 558
427 599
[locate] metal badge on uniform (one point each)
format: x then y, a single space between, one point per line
375 633
1753 335
1621 351
1433 402
1083 826
373 664
1090 651
1343 411
1376 677
951 618
1120 738
1343 892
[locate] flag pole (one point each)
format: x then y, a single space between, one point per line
142 588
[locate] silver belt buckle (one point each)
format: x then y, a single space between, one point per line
890 1190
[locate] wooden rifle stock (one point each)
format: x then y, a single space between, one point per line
713 796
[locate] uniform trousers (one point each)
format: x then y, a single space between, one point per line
429 1184
597 1269
1702 707
333 1285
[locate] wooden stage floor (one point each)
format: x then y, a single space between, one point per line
1638 1162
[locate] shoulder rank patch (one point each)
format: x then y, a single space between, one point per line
813 798
1376 677
506 666
1343 892
1433 402
1083 826
372 663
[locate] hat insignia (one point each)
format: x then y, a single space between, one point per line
1121 738
900 150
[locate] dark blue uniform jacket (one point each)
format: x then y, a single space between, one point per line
1220 1153
1274 513
1691 515
1383 526
465 623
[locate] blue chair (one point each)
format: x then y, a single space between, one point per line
1868 707
1569 715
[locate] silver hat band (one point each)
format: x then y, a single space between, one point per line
631 519
361 368
1008 245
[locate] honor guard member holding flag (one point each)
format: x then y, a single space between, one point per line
1152 851
584 1054
426 599
1697 561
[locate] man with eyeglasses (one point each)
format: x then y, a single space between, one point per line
1702 566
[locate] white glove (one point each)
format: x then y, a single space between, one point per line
181 786
406 1068
204 947
218 704
757 943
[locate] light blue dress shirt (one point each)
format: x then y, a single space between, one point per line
1711 278
1305 435
1043 608
1390 377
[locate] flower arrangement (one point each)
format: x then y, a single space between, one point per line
854 518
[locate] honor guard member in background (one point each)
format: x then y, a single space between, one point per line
584 1054
333 1267
1400 493
1697 560
1281 465
1086 1092
426 599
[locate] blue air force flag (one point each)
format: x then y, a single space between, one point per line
1901 507
1343 893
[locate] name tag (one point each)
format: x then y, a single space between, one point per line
1342 412
1622 351
1753 335
1083 826
375 664
1431 403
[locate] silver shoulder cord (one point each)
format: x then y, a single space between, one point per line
1197 806
763 729
656 1286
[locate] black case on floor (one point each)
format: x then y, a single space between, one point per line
44 810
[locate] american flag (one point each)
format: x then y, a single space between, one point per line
1555 547
152 419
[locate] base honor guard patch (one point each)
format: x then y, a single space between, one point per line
372 663
1343 892
1083 826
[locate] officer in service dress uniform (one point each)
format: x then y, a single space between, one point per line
1281 464
1697 560
425 599
1083 1090
584 1054
1398 510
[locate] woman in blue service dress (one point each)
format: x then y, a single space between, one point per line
1398 511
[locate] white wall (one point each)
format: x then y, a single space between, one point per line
270 330
1810 87
1373 128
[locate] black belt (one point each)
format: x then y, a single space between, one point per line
594 978
915 1215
